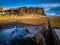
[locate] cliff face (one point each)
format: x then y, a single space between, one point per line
25 10
1 8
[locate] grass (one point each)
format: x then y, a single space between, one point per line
55 21
31 19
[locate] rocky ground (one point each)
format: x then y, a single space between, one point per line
26 34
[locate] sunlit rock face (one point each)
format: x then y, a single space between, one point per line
31 10
40 11
26 10
22 10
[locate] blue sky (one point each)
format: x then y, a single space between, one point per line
51 7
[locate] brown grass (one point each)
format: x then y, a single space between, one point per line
30 19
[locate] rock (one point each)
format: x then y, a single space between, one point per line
34 10
27 10
23 10
1 27
40 11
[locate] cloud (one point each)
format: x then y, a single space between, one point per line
47 9
50 14
51 9
47 6
50 5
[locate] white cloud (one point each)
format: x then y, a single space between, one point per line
50 5
51 14
47 7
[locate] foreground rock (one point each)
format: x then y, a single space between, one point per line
23 34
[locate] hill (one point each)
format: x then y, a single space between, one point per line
31 19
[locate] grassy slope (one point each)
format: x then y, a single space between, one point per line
55 21
31 19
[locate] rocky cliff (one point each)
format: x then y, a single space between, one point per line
26 10
30 10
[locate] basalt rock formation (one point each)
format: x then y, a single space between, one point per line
26 10
30 10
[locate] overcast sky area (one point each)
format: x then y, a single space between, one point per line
51 7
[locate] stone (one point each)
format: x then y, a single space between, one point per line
27 10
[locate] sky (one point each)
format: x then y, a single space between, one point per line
51 7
